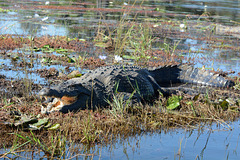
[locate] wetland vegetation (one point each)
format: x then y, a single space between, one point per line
46 42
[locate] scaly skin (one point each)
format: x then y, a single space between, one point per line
96 87
185 73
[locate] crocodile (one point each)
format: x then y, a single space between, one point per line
96 88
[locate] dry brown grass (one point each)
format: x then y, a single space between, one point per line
101 126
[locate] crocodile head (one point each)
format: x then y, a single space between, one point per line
65 99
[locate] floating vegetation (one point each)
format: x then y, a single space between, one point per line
5 10
48 49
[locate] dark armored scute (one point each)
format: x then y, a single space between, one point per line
96 87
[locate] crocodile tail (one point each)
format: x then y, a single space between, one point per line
186 73
166 76
192 75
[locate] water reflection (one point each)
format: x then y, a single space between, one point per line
31 28
214 143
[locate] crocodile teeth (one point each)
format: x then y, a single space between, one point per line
55 105
45 97
58 103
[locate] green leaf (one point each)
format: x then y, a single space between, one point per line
34 128
25 120
70 60
173 102
82 40
48 51
46 46
130 57
224 104
148 57
41 122
48 125
54 127
59 50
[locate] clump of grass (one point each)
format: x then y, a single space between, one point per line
89 131
237 85
120 104
53 146
128 39
141 39
170 50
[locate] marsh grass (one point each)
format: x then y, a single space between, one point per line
120 104
120 120
237 86
170 50
134 41
128 38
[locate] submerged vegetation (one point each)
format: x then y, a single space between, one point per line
147 43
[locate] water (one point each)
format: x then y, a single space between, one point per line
180 144
81 19
74 19
212 142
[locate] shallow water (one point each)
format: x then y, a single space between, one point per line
80 19
75 19
214 143
210 142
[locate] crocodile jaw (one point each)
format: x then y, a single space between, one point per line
57 104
